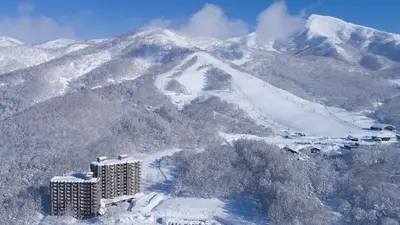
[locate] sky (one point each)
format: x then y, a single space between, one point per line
35 21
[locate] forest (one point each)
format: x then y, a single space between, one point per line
361 187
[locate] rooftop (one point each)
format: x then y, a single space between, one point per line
382 126
76 177
101 161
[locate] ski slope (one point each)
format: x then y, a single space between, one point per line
267 104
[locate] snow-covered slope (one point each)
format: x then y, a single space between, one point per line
106 62
270 106
8 42
58 43
22 56
339 31
64 46
144 51
15 55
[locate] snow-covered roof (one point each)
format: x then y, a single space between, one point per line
382 126
115 161
76 178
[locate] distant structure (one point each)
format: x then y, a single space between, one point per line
352 138
119 176
81 195
315 150
75 194
290 149
387 127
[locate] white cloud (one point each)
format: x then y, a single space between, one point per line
276 23
212 22
25 8
33 29
159 23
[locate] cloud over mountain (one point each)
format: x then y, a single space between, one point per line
276 22
211 21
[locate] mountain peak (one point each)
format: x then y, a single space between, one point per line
8 41
57 43
338 30
334 29
317 17
155 35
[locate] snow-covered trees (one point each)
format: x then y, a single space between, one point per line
333 82
370 186
217 79
259 170
362 186
389 111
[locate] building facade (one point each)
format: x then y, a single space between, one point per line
76 194
118 177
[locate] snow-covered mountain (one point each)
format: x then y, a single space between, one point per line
328 36
64 46
15 55
154 88
332 37
69 66
18 57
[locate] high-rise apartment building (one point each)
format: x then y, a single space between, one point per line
75 194
118 177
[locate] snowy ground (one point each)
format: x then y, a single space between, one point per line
155 204
299 143
395 82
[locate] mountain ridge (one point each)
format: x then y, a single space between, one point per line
143 50
9 41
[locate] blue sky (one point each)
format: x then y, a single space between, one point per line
39 20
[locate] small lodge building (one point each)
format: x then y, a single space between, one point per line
286 135
300 134
310 150
385 138
382 127
290 149
315 150
376 138
352 138
379 139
